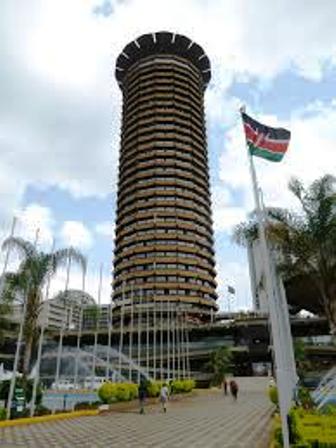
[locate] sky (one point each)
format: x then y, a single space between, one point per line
60 114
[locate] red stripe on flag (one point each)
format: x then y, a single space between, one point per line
261 141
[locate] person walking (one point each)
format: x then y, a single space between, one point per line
142 394
234 390
225 387
164 394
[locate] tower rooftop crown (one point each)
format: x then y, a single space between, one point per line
162 42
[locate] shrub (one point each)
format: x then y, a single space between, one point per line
26 385
42 410
182 386
329 409
112 392
2 414
153 388
305 398
273 395
85 405
123 392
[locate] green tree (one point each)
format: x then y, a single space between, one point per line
219 364
4 321
306 240
27 283
300 353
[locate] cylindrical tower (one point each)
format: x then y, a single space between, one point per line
164 239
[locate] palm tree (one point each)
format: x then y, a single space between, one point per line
219 364
28 282
4 321
306 241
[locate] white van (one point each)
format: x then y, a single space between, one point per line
94 383
63 385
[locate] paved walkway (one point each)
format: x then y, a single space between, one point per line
207 420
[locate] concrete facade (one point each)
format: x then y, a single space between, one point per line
164 239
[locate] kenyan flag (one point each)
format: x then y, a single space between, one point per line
264 141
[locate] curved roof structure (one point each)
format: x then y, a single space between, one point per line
75 296
162 42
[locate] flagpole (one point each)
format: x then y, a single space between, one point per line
154 339
80 328
121 338
130 340
168 339
139 333
109 340
147 337
63 324
270 288
97 318
44 324
161 340
173 338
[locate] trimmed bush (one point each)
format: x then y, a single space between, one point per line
273 395
42 410
153 388
182 386
85 405
113 392
2 414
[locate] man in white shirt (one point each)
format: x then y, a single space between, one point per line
164 393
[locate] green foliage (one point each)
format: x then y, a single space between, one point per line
85 405
28 282
42 410
153 388
2 414
182 386
305 399
219 365
306 241
114 392
26 385
329 409
4 322
303 365
273 395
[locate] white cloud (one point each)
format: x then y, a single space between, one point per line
232 273
311 154
58 282
225 214
60 105
106 228
76 234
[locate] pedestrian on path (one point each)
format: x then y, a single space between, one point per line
225 387
164 394
142 393
234 390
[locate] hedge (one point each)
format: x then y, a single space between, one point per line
182 386
309 428
3 414
113 392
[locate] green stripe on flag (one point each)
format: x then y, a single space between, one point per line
265 154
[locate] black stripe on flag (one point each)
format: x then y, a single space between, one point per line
272 133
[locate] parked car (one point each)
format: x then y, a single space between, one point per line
63 385
94 383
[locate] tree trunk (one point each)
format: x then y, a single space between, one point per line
27 355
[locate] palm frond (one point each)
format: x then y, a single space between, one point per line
60 258
25 248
